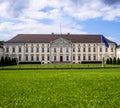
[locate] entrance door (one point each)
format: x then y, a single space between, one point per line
61 58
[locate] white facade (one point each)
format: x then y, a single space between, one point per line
118 52
60 50
1 51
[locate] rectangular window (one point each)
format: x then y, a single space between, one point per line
31 49
13 49
106 49
48 58
79 57
100 49
78 49
89 49
94 57
89 57
73 57
48 49
94 49
37 49
84 57
42 57
37 57
54 49
60 49
67 50
42 49
19 57
32 57
7 49
54 58
26 49
67 58
26 57
111 49
83 49
19 49
73 49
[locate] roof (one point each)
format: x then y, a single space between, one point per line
47 38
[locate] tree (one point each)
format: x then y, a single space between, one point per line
114 61
118 61
2 61
108 61
6 61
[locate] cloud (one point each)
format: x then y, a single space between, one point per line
16 7
13 8
45 16
112 2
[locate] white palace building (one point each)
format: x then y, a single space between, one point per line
59 48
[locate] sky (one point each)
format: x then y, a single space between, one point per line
60 16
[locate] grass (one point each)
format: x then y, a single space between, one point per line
55 66
60 88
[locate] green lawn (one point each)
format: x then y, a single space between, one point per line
60 88
39 66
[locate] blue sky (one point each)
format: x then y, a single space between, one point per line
46 16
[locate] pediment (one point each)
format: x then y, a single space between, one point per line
61 41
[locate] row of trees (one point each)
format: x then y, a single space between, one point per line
113 61
7 61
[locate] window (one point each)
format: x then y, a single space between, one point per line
89 57
94 57
60 49
19 57
42 57
48 49
94 49
54 49
73 49
13 49
42 49
73 57
106 49
84 57
83 49
7 49
19 49
54 58
37 57
89 49
48 57
26 57
32 57
78 49
37 49
100 49
42 45
31 49
26 49
67 50
111 49
67 58
78 57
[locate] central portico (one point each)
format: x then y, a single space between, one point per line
61 50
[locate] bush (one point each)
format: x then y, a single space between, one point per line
108 61
114 61
7 61
118 61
